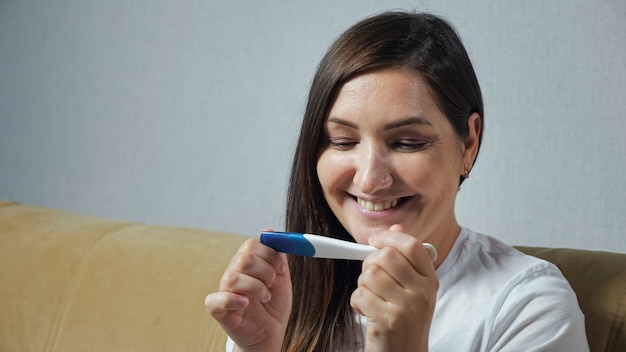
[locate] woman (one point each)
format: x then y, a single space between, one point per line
392 127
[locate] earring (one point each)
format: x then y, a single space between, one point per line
466 173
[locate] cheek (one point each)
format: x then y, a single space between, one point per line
431 175
417 170
324 166
333 171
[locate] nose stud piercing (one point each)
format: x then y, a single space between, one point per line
386 178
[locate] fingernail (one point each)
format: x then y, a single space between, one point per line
242 301
281 268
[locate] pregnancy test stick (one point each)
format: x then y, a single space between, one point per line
317 246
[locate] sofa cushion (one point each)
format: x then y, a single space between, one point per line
80 283
599 280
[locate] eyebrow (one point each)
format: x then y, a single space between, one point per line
413 120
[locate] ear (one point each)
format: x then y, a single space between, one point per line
472 141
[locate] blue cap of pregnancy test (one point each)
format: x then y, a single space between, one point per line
288 242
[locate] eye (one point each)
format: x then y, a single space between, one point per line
341 143
410 145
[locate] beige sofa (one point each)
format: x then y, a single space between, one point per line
71 282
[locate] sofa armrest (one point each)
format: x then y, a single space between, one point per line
599 280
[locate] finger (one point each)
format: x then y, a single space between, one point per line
397 228
257 260
274 258
252 271
220 303
245 285
366 303
227 309
385 285
403 290
432 251
391 266
410 247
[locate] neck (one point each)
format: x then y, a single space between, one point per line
444 242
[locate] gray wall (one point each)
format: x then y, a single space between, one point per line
185 113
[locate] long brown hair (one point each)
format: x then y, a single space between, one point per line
321 318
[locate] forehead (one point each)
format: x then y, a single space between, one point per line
388 92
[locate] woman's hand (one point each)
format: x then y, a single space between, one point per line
254 298
396 292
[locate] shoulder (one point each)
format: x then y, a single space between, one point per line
501 274
534 290
515 300
537 308
478 255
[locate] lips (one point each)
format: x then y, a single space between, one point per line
378 206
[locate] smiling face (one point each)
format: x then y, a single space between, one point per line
390 156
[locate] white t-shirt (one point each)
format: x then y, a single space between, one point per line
494 298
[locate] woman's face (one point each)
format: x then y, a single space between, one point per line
391 157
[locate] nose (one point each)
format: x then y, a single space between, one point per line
373 171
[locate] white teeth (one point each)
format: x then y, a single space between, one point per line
377 206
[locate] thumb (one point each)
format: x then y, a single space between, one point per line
397 228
